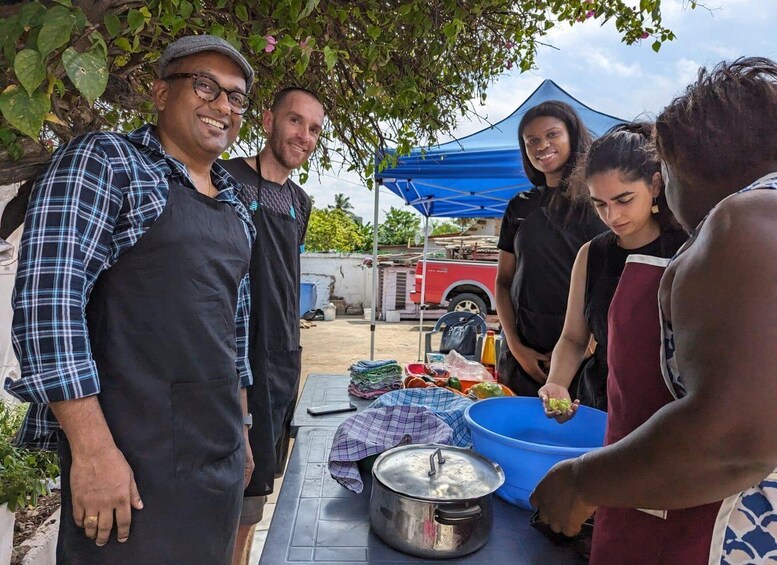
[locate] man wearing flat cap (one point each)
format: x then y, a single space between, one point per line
130 323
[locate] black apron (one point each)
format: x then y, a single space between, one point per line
545 249
162 330
274 349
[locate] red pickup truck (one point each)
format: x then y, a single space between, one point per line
459 285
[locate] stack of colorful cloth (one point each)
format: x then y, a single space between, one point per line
372 378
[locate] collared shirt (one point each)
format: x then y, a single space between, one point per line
98 196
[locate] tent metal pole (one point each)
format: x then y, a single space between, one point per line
423 288
373 314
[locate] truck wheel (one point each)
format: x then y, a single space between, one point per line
468 302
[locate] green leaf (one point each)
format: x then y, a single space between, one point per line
66 3
257 43
330 57
24 112
55 32
32 14
79 19
16 151
656 46
452 28
288 42
98 42
7 137
373 32
112 24
302 64
241 12
310 5
11 30
88 71
135 20
123 44
186 9
29 69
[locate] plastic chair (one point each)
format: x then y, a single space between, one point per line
455 318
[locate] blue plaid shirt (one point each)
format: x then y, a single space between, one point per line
99 195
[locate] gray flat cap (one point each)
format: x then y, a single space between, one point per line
192 44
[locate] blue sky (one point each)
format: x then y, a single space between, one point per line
590 62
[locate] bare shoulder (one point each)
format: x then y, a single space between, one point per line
582 254
741 231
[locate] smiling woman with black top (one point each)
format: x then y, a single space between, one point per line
542 231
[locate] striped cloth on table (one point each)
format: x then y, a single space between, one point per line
397 418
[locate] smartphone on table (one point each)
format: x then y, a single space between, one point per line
334 408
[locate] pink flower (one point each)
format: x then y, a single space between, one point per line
590 14
645 35
509 65
509 45
271 42
304 43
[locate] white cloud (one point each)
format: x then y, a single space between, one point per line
608 63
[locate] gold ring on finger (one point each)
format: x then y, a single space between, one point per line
92 519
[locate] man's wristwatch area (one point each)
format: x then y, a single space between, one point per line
248 420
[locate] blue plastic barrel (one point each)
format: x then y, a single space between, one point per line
307 297
514 432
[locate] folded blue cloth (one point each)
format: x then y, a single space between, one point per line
367 365
446 405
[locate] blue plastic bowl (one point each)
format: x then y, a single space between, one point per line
514 432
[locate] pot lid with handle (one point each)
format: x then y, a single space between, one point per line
437 473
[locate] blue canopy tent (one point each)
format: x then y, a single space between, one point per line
475 177
472 177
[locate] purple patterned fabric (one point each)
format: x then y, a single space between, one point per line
375 430
446 405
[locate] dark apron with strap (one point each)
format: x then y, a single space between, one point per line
545 250
274 336
162 330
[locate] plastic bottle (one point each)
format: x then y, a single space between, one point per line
488 356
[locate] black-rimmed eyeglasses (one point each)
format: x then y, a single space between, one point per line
209 90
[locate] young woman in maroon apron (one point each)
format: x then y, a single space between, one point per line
636 390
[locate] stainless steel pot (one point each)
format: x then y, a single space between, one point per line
433 501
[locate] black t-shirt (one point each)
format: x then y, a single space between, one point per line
545 243
277 199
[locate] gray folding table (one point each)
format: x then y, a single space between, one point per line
317 521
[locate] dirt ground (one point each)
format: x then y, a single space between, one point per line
331 347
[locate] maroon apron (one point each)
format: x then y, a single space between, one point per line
635 391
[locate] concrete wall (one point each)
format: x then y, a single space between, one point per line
9 366
343 275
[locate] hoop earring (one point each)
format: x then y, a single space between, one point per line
654 207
